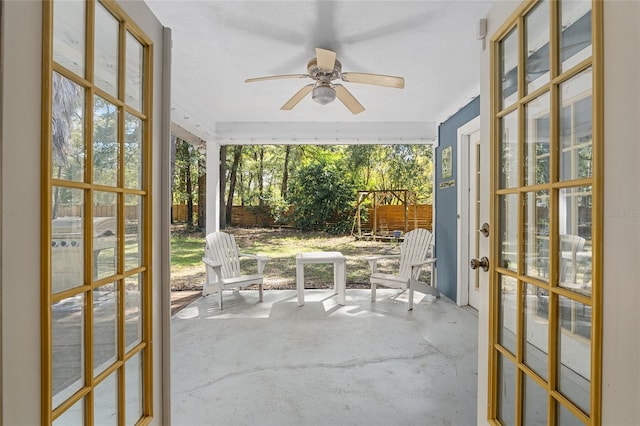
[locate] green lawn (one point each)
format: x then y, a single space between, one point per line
186 250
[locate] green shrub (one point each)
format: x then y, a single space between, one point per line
323 198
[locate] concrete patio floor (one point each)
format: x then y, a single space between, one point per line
274 363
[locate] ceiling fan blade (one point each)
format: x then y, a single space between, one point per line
276 77
297 97
326 59
377 79
348 99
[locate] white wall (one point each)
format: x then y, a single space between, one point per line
21 212
621 345
21 235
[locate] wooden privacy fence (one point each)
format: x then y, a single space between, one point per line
130 212
179 212
383 213
251 216
388 217
391 218
240 215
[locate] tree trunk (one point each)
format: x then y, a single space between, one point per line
223 185
233 177
189 191
202 193
243 185
285 172
261 176
56 197
174 140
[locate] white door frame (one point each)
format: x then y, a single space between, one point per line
463 166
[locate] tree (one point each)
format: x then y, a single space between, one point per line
393 167
261 176
105 142
68 151
186 178
260 159
323 198
233 177
202 192
285 172
360 161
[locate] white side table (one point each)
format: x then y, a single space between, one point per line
339 271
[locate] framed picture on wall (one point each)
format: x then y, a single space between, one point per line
447 163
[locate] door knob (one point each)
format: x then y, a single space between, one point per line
483 263
484 229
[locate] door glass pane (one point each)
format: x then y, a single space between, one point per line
132 151
133 389
536 236
576 129
509 150
67 239
536 149
106 51
509 68
105 401
536 329
105 327
105 142
133 310
135 61
574 346
537 46
67 338
575 253
508 312
566 417
67 129
73 416
132 231
69 35
506 391
105 234
535 403
575 32
508 232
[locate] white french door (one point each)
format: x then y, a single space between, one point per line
546 216
469 205
96 216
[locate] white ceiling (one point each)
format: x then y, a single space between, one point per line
218 44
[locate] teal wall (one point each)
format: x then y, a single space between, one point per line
446 200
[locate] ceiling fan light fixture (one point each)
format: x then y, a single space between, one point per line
323 93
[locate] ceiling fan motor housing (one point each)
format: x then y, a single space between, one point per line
317 74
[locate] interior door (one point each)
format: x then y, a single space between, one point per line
469 212
473 218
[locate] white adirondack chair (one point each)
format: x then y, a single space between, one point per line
570 246
414 255
222 262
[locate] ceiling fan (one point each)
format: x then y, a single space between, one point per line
324 69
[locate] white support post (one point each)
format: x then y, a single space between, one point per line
213 186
